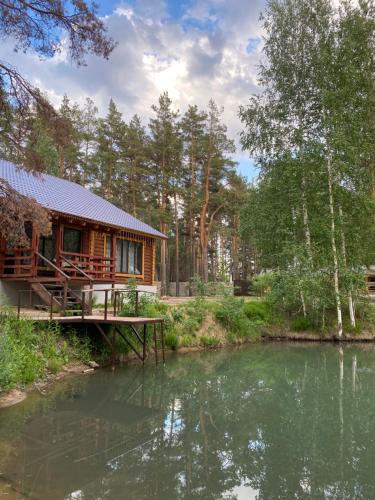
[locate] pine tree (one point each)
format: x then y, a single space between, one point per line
165 156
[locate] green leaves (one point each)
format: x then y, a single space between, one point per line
312 131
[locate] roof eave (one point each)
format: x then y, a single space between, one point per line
159 236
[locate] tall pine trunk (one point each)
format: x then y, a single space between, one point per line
177 243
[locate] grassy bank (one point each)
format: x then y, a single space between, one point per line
230 320
29 351
32 351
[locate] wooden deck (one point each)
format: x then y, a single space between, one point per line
137 328
92 318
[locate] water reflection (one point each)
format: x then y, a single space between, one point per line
264 422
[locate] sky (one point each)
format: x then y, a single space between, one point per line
194 49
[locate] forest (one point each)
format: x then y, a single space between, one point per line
312 130
176 173
303 231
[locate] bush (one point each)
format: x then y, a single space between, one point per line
230 313
172 341
54 365
300 324
189 326
28 349
258 310
186 341
209 342
177 314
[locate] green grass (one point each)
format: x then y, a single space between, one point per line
300 324
258 310
29 350
209 342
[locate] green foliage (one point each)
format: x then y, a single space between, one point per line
209 341
203 289
310 216
29 349
190 325
258 310
172 340
230 313
80 347
186 341
300 324
262 283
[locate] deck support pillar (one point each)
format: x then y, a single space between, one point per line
162 340
144 343
155 344
113 353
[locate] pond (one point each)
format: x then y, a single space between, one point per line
275 421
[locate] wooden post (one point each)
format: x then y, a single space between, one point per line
105 304
156 345
115 303
136 302
51 307
144 342
62 312
162 340
113 347
90 300
19 304
83 303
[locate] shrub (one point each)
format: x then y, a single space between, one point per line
231 315
172 340
177 314
81 347
300 324
54 365
186 341
189 326
209 342
28 349
258 310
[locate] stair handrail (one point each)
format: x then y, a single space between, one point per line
51 264
90 278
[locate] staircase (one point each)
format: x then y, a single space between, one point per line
51 291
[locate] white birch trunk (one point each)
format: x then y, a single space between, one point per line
306 224
350 294
334 249
354 373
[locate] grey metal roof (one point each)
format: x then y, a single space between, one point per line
67 197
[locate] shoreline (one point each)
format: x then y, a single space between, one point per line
18 395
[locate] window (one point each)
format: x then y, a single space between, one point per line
47 245
129 256
72 240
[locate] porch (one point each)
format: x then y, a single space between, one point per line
81 251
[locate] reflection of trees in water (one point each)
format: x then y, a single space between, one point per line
290 422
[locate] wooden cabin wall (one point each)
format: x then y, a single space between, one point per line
97 243
97 248
148 262
94 243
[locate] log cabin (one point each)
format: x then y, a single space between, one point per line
92 244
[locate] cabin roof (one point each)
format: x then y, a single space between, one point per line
65 197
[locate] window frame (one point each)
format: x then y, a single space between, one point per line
126 238
75 228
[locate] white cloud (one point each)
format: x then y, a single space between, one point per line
203 55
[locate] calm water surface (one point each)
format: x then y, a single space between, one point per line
262 422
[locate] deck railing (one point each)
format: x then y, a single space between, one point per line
28 263
96 267
114 301
19 262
